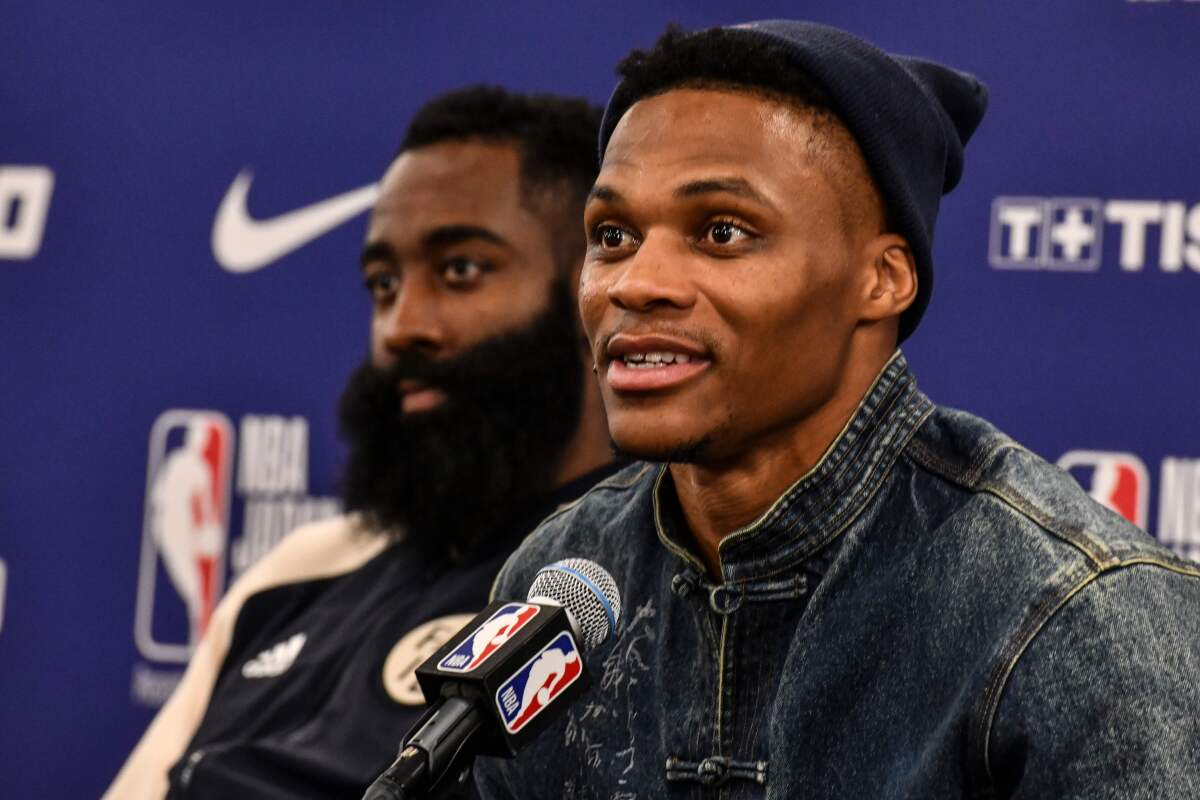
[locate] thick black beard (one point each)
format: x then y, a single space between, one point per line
447 478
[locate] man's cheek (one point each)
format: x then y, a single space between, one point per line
592 300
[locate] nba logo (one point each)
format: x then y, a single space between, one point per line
488 637
185 529
1116 480
535 685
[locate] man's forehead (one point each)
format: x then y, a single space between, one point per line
450 184
463 170
691 126
704 135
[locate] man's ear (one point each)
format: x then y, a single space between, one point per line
891 284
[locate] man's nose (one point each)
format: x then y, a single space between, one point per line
655 277
414 320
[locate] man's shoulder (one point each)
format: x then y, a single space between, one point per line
585 527
1088 600
999 481
326 548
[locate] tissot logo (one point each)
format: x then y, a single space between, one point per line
241 243
1066 234
24 201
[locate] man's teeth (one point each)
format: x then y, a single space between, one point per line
653 360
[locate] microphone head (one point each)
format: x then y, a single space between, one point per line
588 593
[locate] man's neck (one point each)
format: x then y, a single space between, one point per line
718 498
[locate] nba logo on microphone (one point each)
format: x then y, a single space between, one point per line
535 685
488 637
1116 480
185 530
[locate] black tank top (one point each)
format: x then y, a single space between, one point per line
301 705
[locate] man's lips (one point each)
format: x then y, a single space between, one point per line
644 363
416 396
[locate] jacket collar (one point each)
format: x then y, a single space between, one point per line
824 501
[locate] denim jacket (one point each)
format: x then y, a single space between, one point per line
931 611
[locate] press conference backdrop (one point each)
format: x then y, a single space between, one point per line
182 189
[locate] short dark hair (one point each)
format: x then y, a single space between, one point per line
744 61
555 136
715 58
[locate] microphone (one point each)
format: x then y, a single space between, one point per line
503 678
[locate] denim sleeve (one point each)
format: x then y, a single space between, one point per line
1105 701
489 780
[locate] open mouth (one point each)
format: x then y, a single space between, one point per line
416 397
652 362
655 360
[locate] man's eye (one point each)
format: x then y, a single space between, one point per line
381 285
461 271
725 232
610 237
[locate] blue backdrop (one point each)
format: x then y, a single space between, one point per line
1068 274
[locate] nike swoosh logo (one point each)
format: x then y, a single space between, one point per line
242 244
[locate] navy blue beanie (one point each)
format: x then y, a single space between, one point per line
910 117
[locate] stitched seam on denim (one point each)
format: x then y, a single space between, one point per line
846 464
852 511
607 483
992 706
679 552
924 455
1098 554
891 443
798 536
1179 568
1009 655
839 503
728 707
565 507
793 589
893 372
720 683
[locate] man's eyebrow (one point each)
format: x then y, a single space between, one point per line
738 187
376 251
438 237
455 234
605 193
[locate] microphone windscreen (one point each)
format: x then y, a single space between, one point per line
586 590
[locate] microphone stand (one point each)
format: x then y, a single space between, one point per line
436 751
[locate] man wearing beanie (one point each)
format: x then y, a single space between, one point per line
833 587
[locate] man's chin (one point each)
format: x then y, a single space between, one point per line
675 451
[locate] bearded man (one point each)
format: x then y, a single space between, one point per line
832 587
474 417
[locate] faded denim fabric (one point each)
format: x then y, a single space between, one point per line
933 611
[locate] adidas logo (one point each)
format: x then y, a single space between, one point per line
276 660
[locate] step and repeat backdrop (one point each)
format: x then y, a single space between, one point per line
183 191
